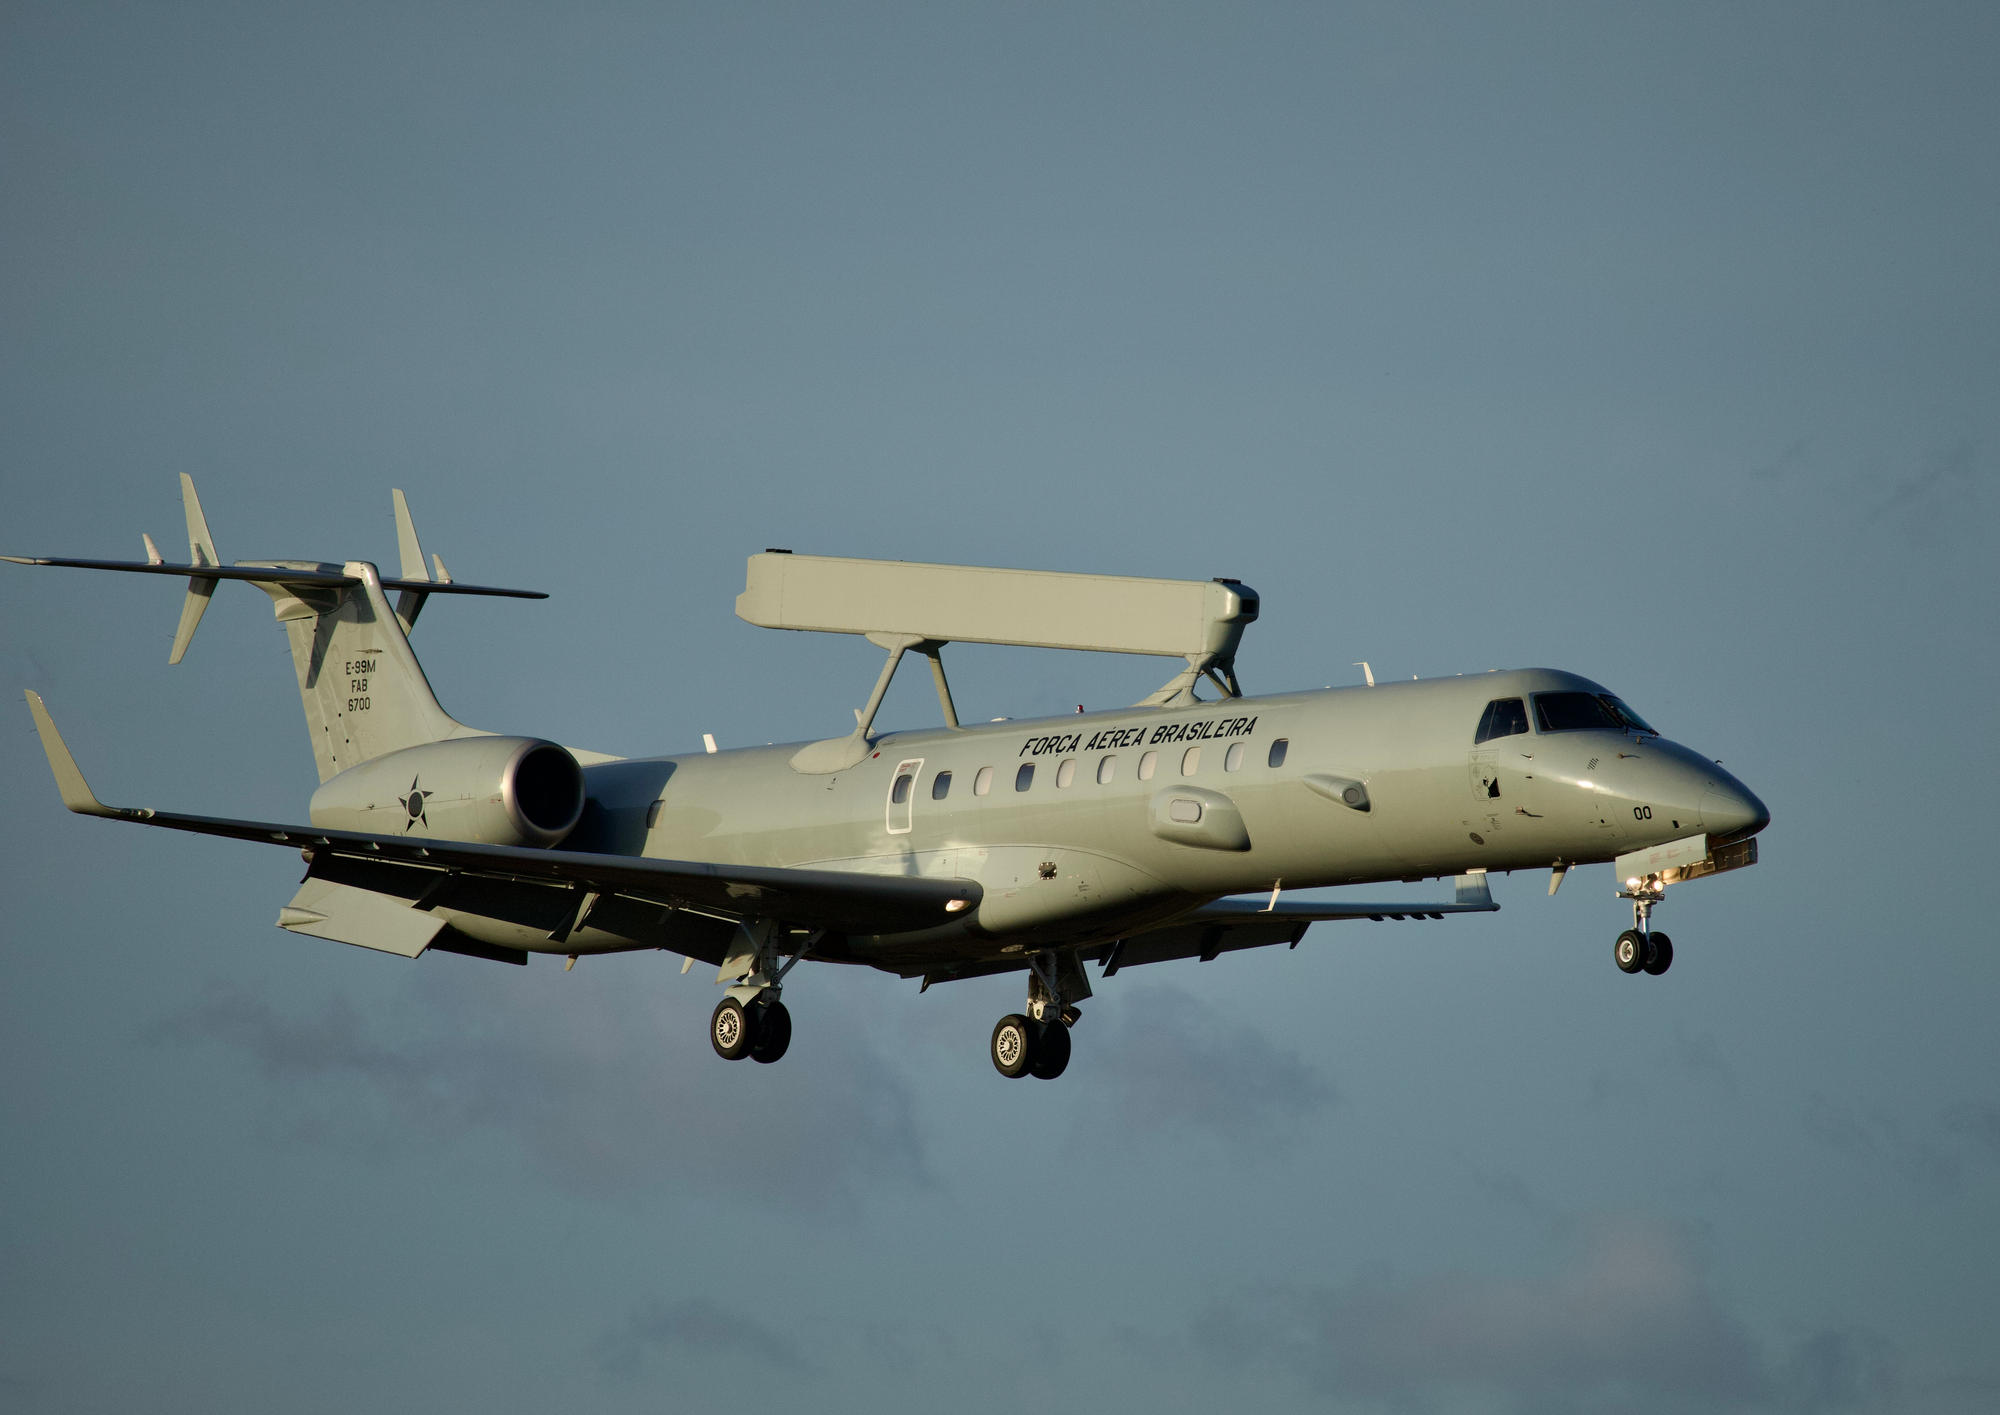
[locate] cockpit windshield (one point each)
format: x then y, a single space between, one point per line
1579 712
1504 717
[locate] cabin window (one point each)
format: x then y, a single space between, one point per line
1066 773
1190 761
983 783
1107 767
941 786
1233 758
1278 749
1148 764
1504 718
900 792
1185 811
1025 777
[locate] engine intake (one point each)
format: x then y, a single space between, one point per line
488 790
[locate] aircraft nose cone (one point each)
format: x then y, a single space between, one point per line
1732 812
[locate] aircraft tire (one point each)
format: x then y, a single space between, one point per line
730 1030
1051 1052
772 1032
1013 1045
1659 954
1629 953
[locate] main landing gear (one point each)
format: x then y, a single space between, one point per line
750 1020
1037 1044
760 1031
1639 949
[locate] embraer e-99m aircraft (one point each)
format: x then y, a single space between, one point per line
1169 829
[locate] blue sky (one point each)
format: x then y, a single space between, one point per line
1656 342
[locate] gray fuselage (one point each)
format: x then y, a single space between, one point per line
1132 816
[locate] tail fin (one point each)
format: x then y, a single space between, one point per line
364 692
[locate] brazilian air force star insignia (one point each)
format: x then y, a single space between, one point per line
414 804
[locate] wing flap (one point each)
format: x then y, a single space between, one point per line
325 909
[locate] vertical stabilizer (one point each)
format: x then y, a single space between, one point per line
364 692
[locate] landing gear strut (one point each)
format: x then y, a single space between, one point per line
1639 949
1037 1044
750 1020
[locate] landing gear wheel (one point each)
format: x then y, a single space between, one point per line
1051 1051
1630 951
772 1031
1013 1045
729 1030
1659 954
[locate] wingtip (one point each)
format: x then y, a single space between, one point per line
76 793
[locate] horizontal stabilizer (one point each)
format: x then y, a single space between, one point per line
268 573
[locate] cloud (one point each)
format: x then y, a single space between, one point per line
1174 1062
1626 1320
1701 1056
673 1331
1879 1138
1977 1122
1843 1370
1788 463
604 1088
1509 1190
1933 498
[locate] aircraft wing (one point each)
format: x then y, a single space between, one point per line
1229 924
1226 925
829 899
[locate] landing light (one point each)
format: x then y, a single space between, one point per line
953 906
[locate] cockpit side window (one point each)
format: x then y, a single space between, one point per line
1504 717
1580 712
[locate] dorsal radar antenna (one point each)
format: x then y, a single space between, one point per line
900 606
1366 671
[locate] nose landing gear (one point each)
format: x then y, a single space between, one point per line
1639 949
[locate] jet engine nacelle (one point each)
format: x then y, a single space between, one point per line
489 790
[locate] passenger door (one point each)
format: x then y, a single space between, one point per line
903 795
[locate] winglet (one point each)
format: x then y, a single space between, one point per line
75 790
201 588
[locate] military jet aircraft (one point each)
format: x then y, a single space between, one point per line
1169 829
